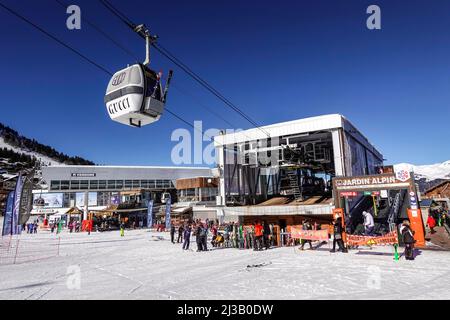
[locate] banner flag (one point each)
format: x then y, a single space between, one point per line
168 206
316 235
388 238
7 220
150 214
15 227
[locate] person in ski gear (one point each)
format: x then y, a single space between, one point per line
204 237
369 224
198 238
408 240
172 232
180 233
306 226
258 236
187 237
431 223
266 235
122 229
338 238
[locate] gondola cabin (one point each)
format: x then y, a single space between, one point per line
135 96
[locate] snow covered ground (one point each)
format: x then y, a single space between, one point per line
145 265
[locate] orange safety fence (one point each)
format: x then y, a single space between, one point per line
387 239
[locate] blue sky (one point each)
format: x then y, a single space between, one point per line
277 62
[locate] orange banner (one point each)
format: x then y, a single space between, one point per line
388 238
316 235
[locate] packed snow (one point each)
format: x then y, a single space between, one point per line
146 265
429 172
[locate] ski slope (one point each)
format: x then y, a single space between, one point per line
44 159
145 265
429 172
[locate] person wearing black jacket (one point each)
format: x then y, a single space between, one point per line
172 232
408 240
198 238
180 233
266 234
338 230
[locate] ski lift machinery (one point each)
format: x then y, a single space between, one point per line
134 95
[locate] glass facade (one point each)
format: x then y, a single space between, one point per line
110 184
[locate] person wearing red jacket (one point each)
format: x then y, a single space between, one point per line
258 236
431 224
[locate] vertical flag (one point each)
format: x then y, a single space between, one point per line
168 205
7 220
15 228
150 214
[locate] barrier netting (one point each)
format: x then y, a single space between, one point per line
17 249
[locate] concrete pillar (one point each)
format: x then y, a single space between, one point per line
86 205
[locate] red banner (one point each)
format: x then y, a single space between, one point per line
388 238
319 235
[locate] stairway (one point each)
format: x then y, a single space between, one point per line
293 184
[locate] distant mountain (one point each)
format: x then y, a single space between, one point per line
428 176
18 152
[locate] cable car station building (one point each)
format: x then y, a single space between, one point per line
285 170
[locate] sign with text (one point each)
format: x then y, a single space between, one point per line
366 183
316 235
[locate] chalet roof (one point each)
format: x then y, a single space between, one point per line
437 186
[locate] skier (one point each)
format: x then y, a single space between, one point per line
431 223
408 240
204 237
180 233
258 236
172 232
266 234
306 226
368 223
338 230
198 239
187 237
122 229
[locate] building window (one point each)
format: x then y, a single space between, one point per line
84 184
111 184
144 184
128 183
119 184
55 185
152 184
93 184
136 183
159 184
102 184
75 185
65 185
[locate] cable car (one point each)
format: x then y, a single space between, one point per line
165 196
134 95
